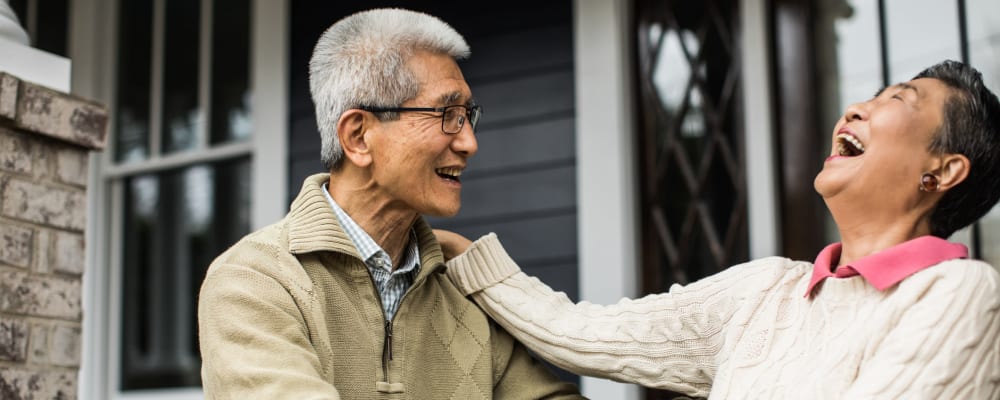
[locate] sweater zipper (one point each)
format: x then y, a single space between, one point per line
387 342
387 350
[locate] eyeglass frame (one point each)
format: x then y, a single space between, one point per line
470 111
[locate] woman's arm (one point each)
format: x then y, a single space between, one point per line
667 341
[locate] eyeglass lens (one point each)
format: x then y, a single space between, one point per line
455 118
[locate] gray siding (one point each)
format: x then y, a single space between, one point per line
522 183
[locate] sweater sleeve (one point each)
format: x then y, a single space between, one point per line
667 341
253 340
945 346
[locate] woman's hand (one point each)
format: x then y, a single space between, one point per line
452 244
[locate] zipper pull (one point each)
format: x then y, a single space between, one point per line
388 339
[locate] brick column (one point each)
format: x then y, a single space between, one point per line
45 139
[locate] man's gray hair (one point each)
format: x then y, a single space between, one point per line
361 61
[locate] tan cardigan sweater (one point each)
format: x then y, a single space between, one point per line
290 312
748 332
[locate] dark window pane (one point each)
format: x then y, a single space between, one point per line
920 33
175 223
20 8
180 75
53 20
134 44
230 71
693 191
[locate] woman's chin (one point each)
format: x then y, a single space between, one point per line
823 185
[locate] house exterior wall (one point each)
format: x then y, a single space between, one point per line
45 138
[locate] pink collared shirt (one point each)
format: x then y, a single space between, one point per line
887 267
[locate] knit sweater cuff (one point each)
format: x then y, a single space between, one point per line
484 264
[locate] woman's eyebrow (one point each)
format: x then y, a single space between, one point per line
901 85
907 86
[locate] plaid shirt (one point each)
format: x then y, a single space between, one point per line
391 284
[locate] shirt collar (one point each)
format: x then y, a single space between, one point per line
370 251
887 267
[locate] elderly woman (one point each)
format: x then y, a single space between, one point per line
893 311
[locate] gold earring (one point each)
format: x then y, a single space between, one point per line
929 183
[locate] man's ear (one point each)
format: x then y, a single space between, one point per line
351 129
953 170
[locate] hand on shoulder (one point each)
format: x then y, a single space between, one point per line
452 244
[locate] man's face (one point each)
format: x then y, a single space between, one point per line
414 162
880 147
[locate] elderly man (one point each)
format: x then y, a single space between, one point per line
345 297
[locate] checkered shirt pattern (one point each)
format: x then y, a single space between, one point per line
391 284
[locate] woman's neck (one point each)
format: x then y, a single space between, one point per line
862 240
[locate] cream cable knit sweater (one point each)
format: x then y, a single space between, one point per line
748 332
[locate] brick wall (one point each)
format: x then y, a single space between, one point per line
45 139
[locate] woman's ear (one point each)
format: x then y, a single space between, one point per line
351 129
953 170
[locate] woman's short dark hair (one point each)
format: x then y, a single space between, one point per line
971 127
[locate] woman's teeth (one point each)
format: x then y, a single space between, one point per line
848 145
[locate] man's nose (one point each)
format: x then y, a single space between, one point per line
465 142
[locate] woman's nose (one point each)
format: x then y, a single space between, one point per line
856 112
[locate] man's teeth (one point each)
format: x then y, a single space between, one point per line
453 171
848 145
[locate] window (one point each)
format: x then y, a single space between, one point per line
691 151
161 208
178 176
45 22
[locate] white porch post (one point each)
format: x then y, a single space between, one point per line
606 181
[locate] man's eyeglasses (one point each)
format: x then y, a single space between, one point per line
452 117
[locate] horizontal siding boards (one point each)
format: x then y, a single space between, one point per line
498 197
305 138
526 98
542 142
500 56
555 275
304 153
301 169
533 242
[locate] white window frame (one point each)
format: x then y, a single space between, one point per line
94 33
607 191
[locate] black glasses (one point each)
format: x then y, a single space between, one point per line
452 117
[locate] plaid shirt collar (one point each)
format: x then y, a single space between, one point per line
373 255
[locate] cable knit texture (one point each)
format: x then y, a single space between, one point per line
748 333
290 312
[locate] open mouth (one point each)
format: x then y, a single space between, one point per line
449 173
848 145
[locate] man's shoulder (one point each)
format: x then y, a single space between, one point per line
266 242
263 251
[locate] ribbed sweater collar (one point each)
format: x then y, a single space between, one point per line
313 226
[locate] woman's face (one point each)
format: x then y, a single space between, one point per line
880 149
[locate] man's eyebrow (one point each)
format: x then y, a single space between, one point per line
449 98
